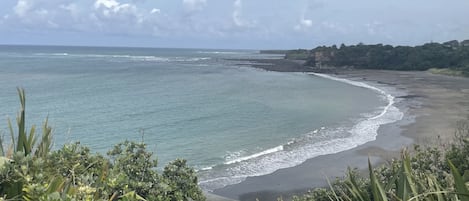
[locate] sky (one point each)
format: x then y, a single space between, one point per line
232 24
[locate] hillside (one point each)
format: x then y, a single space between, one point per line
453 55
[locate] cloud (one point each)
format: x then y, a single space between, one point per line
237 18
32 13
23 7
237 7
114 17
306 22
303 24
230 20
193 5
39 14
106 3
373 27
112 8
122 17
72 9
155 10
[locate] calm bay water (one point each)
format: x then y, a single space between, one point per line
228 120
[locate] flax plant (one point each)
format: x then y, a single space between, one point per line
30 170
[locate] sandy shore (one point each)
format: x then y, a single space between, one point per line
432 105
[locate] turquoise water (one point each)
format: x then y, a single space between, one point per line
228 120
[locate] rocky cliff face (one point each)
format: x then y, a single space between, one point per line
322 57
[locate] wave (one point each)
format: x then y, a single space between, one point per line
207 168
265 152
220 52
51 54
129 57
317 142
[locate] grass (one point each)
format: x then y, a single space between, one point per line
449 72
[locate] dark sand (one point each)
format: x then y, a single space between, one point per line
432 105
279 65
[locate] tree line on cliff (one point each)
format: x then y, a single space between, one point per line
452 55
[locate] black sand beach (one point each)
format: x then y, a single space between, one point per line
432 105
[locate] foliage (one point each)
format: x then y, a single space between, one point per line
182 181
300 54
31 170
429 173
448 71
453 55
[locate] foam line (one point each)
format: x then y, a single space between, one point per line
265 152
130 57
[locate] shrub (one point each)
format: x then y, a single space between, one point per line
32 171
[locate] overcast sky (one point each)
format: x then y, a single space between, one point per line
245 24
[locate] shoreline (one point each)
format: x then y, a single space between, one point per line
362 128
414 93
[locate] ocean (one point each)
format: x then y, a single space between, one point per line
228 120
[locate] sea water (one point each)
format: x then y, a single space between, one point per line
230 121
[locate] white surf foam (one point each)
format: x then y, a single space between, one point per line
270 160
219 52
51 54
129 57
206 168
265 152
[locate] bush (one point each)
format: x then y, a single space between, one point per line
32 171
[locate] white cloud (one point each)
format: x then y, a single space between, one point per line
338 27
110 8
71 9
193 5
117 17
237 17
303 24
115 13
126 17
52 24
373 27
237 13
155 10
33 13
306 22
23 7
105 3
40 14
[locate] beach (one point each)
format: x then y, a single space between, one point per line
432 106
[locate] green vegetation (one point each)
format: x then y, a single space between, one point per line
429 173
31 170
448 71
273 51
299 54
452 55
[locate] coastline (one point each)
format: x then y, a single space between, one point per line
422 96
